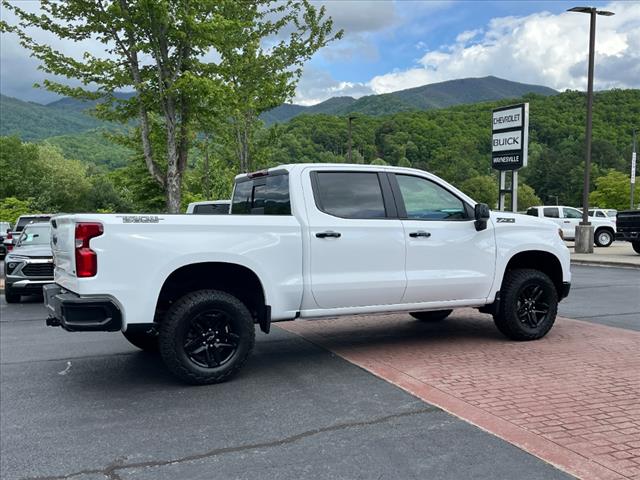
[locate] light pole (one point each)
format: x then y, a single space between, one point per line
584 231
633 170
351 118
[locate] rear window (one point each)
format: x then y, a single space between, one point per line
267 195
22 221
211 209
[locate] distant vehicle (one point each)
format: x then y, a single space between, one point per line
609 213
30 265
629 228
4 228
23 220
568 217
211 207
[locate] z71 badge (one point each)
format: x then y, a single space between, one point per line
506 220
141 219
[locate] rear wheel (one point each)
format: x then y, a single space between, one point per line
146 340
433 316
10 296
603 238
528 306
206 337
636 246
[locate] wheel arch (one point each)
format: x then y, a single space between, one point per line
235 279
540 260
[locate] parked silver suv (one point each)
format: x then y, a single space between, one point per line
29 265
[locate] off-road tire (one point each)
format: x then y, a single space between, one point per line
144 340
636 246
175 328
516 284
433 316
10 296
603 238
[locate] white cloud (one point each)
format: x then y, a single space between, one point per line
317 85
540 48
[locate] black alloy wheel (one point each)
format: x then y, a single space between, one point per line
532 305
210 340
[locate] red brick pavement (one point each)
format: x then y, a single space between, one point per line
572 398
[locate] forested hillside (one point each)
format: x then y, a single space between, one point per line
452 142
426 97
32 121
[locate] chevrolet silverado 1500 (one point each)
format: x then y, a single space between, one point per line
302 241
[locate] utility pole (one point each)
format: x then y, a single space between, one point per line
584 231
633 170
351 118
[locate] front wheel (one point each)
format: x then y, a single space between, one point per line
603 238
433 316
206 337
528 305
636 246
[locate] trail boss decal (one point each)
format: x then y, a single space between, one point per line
140 219
506 220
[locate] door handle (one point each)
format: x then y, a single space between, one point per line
567 221
328 234
420 233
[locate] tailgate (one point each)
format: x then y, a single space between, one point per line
62 245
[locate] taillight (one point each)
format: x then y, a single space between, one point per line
86 259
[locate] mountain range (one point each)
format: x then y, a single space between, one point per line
34 121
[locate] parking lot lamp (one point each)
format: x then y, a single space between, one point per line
584 231
351 118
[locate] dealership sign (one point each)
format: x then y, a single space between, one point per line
510 137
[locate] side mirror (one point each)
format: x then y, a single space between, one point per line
482 213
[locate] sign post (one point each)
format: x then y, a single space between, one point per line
509 148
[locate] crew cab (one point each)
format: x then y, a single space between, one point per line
302 241
568 217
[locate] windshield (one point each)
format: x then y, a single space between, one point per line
34 236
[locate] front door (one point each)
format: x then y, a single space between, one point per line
571 218
357 248
447 259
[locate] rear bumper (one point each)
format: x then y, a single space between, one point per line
75 313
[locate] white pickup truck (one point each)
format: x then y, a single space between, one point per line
302 241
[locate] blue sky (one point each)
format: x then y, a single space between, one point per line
391 45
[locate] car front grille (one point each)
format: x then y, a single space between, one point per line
38 270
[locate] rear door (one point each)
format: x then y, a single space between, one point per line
447 259
357 247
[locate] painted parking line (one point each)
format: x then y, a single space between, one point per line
571 399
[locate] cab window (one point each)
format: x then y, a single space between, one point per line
571 213
267 195
349 194
426 200
551 212
533 212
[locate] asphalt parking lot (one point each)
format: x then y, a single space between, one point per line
89 406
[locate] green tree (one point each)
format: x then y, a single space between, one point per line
483 189
262 77
613 190
11 208
161 50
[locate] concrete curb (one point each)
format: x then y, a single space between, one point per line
604 263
